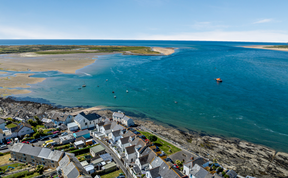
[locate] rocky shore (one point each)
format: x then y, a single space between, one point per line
243 157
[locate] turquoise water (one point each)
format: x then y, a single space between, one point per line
250 104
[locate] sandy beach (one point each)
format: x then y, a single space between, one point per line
265 47
165 51
3 72
19 81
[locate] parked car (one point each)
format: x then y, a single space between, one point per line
25 142
64 133
2 147
176 166
169 160
56 132
44 138
54 135
33 141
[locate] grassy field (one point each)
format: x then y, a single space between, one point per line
72 49
9 126
5 159
16 166
21 174
112 174
163 145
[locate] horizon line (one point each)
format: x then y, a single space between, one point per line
152 40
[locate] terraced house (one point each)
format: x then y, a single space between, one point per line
36 155
85 121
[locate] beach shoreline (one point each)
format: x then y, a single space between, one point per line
266 47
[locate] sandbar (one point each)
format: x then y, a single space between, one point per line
3 72
66 63
19 81
164 51
266 47
5 92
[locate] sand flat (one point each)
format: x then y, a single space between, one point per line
3 72
6 92
265 47
165 51
19 81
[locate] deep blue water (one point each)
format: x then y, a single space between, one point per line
250 104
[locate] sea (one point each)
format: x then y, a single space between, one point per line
179 90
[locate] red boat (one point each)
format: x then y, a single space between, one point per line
218 80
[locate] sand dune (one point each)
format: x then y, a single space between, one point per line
165 51
265 47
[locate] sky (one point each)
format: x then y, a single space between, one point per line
212 20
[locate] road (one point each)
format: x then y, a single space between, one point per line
115 158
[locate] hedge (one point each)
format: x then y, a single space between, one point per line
81 151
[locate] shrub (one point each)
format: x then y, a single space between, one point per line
1 154
40 169
152 138
223 173
226 175
214 167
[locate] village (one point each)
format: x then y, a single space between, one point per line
86 144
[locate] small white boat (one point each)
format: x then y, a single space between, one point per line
175 102
114 96
106 80
127 91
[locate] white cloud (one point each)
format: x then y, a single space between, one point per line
207 25
256 36
264 21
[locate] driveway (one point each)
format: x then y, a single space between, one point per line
115 158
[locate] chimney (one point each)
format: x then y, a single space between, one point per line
192 158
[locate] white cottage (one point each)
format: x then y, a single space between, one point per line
85 121
115 135
130 154
127 121
22 129
117 116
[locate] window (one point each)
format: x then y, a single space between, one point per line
90 122
24 155
52 161
42 159
27 130
85 123
32 157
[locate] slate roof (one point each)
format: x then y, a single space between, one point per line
128 134
130 149
30 150
2 121
199 172
200 161
71 167
97 149
60 117
157 161
136 169
55 155
147 151
16 147
106 157
72 124
21 125
44 153
118 114
116 133
96 161
155 172
107 126
117 127
90 117
124 140
126 118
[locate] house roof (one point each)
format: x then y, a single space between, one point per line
96 161
72 124
106 157
200 161
118 114
21 125
126 118
71 167
84 163
128 134
1 131
136 169
147 151
81 133
155 172
16 147
232 174
117 127
55 155
107 126
124 140
60 117
199 172
66 137
30 150
109 165
130 149
116 133
2 121
44 153
79 143
97 149
89 168
90 117
157 161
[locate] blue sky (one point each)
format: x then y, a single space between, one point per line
221 20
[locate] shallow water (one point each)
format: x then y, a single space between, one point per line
251 103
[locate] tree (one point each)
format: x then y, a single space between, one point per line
178 162
40 169
32 123
214 160
223 173
226 175
40 131
152 138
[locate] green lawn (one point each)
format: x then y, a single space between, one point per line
15 165
163 145
9 126
112 174
64 52
20 174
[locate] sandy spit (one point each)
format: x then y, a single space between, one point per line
165 51
265 47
